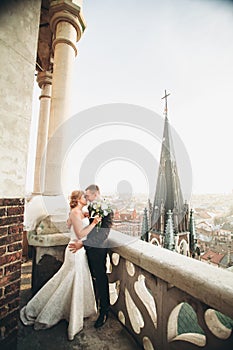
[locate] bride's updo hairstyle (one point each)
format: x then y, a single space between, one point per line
74 198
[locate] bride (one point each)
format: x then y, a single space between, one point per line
69 293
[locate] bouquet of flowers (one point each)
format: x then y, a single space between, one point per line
101 208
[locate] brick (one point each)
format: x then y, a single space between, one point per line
10 278
15 211
11 239
13 201
3 231
1 272
3 212
13 267
2 250
9 298
13 287
12 220
16 229
4 241
14 304
8 258
14 247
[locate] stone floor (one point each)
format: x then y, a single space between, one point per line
111 336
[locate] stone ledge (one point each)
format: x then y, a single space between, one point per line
50 240
211 285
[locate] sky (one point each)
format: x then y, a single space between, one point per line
130 52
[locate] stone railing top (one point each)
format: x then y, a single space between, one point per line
49 240
211 285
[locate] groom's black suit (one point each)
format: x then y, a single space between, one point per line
96 249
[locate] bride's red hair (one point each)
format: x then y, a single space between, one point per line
74 198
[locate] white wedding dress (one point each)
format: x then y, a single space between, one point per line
68 295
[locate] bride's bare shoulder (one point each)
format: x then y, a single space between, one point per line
76 212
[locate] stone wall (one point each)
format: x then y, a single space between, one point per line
11 231
18 47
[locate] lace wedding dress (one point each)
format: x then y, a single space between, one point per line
67 295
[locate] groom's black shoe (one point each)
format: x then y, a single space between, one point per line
101 319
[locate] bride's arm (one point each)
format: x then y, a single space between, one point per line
78 225
68 222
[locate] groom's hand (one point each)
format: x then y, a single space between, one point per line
75 246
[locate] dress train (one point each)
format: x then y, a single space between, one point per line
68 295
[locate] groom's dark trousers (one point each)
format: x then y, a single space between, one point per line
96 250
97 264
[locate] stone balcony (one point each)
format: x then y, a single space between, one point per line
165 301
169 301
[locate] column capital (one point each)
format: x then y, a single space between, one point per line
43 78
67 11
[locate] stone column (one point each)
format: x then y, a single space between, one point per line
44 80
67 26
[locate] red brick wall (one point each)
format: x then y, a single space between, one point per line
11 234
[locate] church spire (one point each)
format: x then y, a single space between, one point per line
168 189
165 97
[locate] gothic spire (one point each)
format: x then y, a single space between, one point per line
168 190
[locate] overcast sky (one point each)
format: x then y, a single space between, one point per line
131 52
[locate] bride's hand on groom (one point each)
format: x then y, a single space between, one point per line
75 246
97 219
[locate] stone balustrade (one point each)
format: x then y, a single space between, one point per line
49 240
167 300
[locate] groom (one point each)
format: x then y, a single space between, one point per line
96 250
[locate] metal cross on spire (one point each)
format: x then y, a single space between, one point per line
165 96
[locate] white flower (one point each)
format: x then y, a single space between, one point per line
100 207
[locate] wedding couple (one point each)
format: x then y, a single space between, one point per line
80 288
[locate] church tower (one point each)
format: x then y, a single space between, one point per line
168 203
